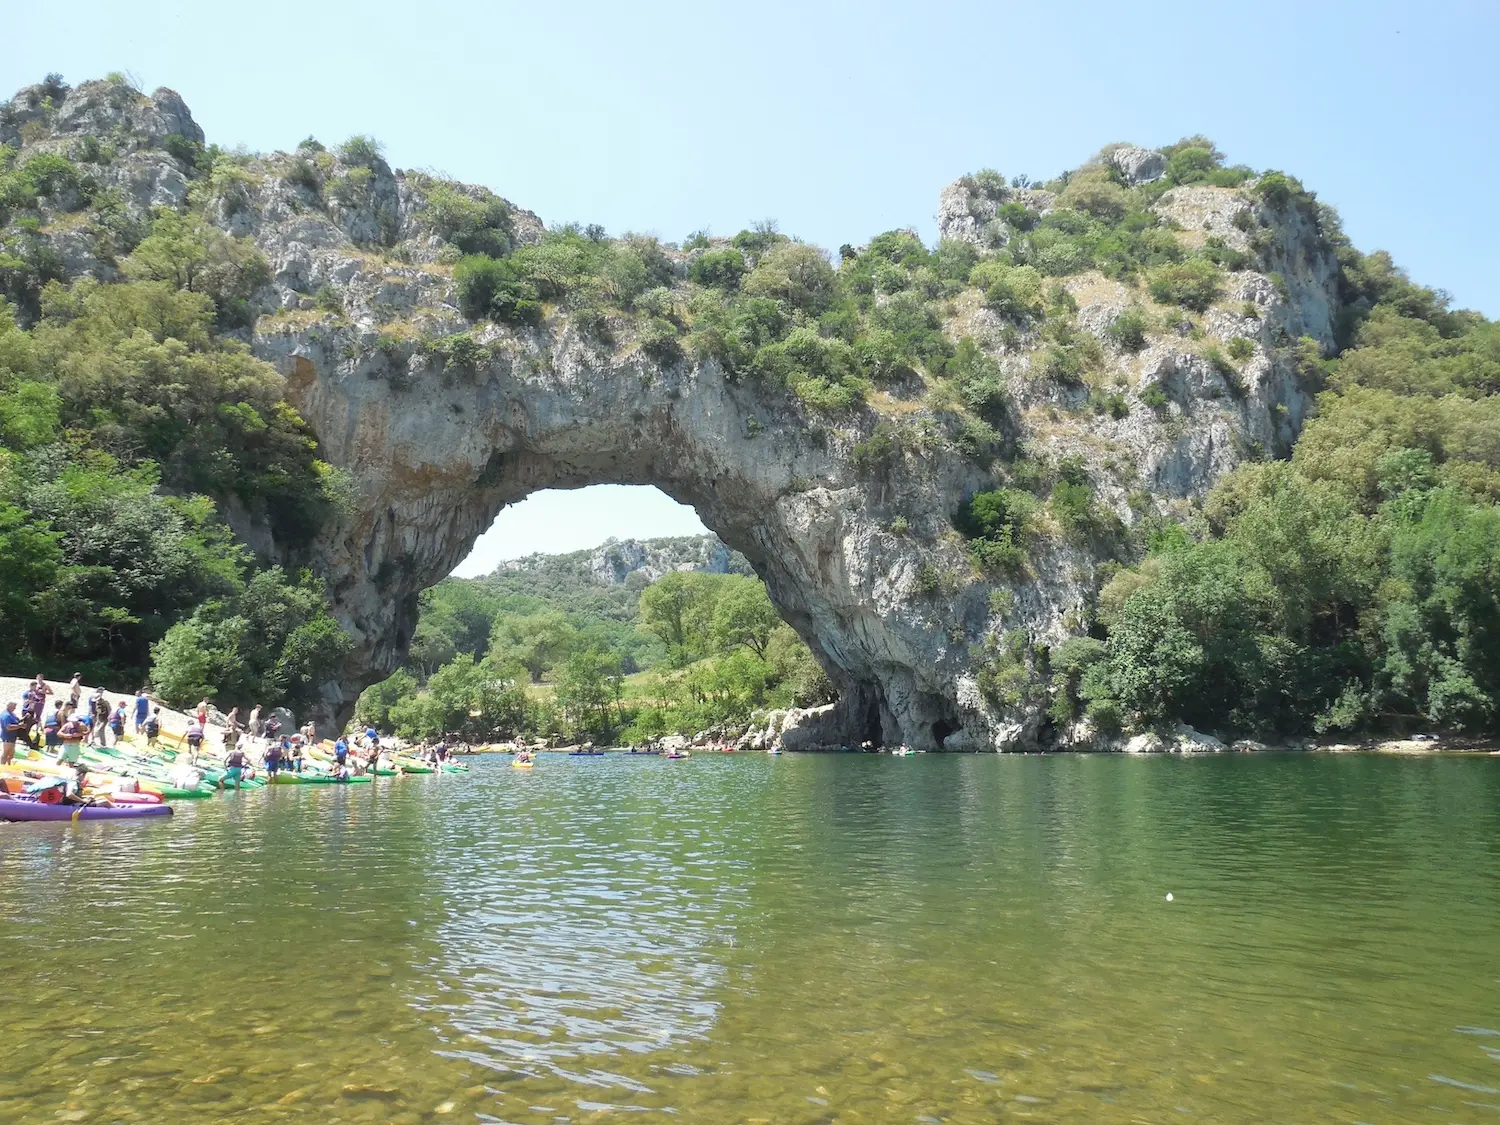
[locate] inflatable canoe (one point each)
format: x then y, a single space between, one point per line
519 765
17 809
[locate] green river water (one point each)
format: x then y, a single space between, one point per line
754 939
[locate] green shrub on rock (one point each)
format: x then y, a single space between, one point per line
1128 330
996 524
1015 292
495 288
721 269
1194 284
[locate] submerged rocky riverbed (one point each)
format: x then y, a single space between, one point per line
739 938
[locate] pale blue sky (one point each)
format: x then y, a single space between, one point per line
840 120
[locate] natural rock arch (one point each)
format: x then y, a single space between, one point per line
436 455
861 559
436 421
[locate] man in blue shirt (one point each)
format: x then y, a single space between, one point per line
142 706
341 750
10 727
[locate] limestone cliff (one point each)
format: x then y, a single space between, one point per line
616 562
439 421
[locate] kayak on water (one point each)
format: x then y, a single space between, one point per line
22 809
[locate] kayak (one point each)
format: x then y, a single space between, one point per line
16 808
134 798
521 765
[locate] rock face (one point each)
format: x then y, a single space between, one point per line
616 562
864 563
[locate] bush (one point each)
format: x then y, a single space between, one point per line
494 288
877 452
1128 330
304 173
980 383
823 373
48 175
1093 192
1194 284
1072 506
658 339
1014 292
759 238
1193 162
1277 189
475 226
1241 349
1219 253
996 523
720 269
795 273
1017 216
360 151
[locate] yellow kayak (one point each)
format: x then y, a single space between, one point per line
520 765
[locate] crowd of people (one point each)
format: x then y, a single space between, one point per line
62 723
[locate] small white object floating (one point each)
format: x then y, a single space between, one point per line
1169 896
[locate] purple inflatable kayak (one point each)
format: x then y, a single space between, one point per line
14 809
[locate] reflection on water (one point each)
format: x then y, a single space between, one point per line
818 939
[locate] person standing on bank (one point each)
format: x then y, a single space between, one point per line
142 709
10 729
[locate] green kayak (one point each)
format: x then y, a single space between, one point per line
172 793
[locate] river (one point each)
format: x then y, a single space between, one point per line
753 939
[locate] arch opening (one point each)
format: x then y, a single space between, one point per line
617 615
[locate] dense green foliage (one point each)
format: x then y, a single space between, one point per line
684 653
129 424
1355 587
124 418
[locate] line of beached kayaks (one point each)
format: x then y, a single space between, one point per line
130 780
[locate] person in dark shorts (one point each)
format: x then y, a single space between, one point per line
194 738
273 758
341 751
50 725
153 727
10 729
